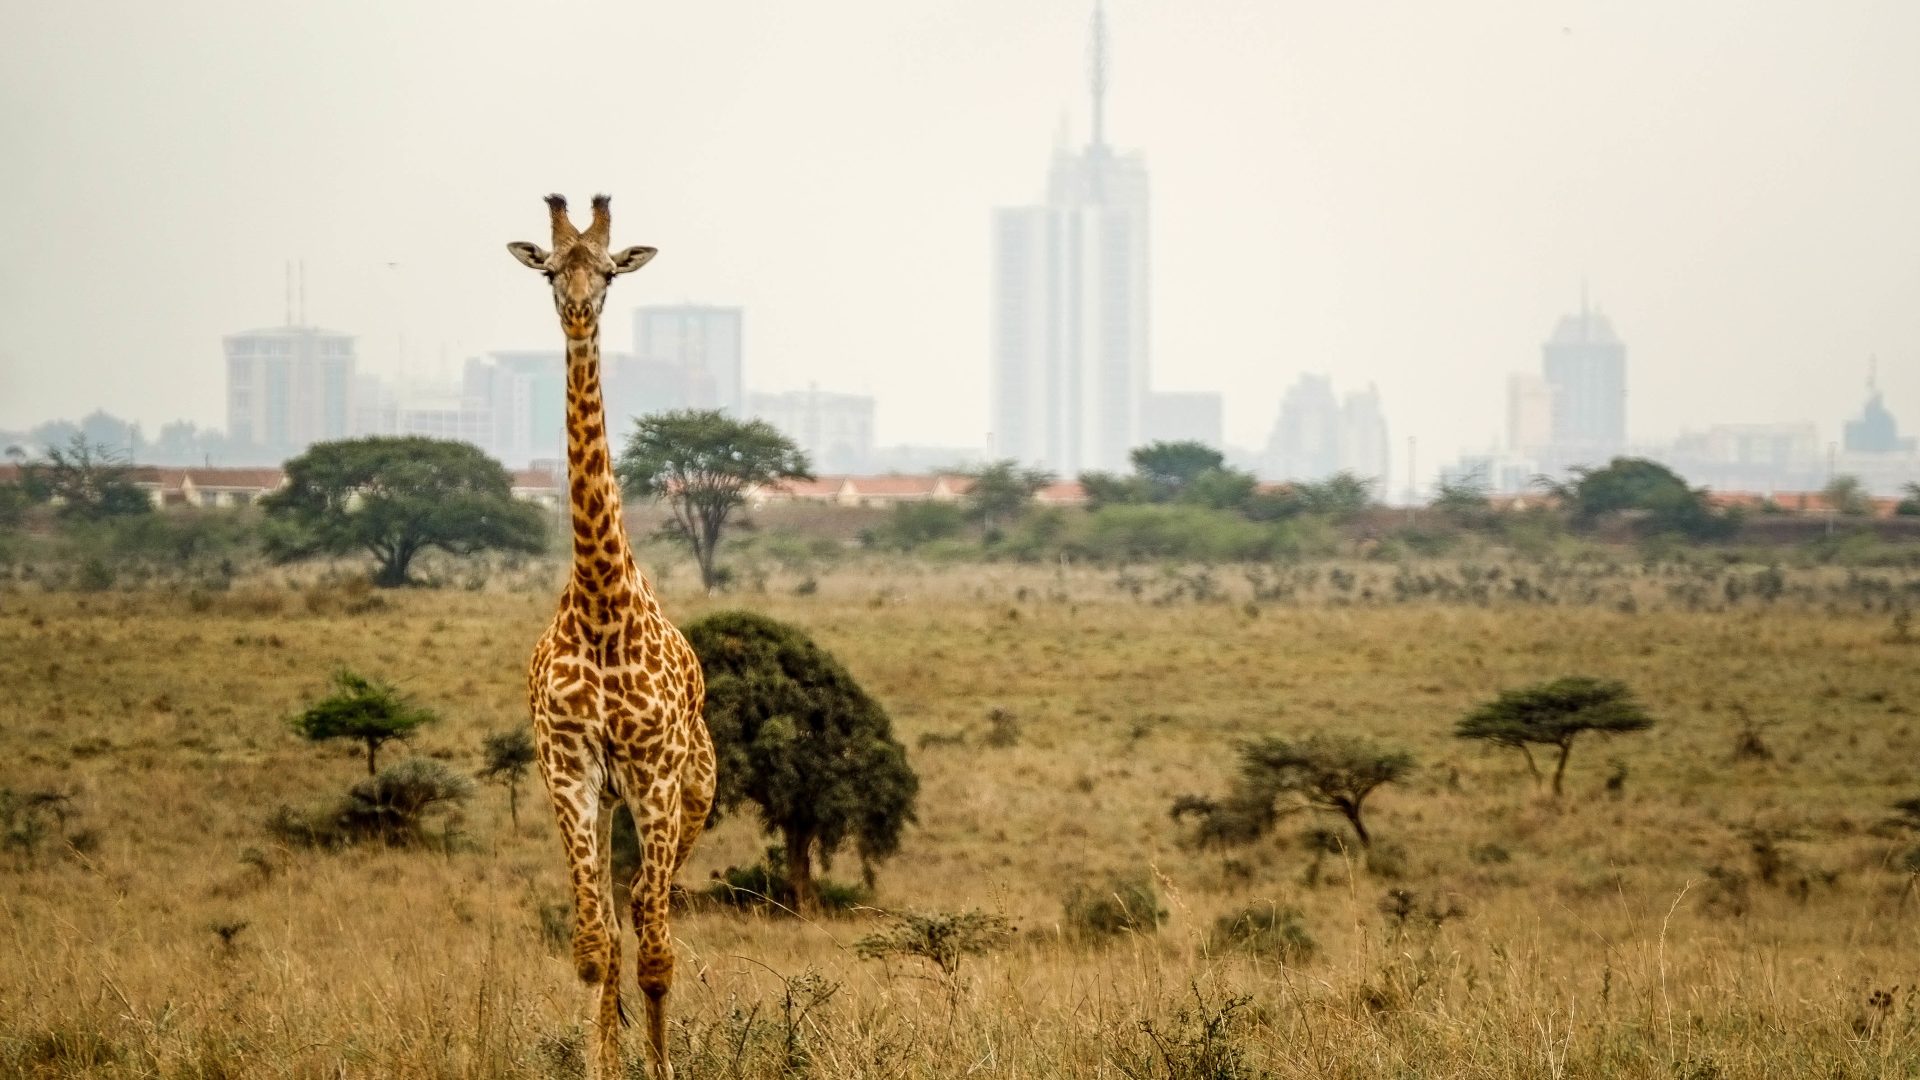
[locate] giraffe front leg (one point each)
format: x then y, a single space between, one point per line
574 786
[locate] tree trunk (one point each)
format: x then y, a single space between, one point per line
1352 812
1532 766
1560 770
806 898
513 803
372 746
393 570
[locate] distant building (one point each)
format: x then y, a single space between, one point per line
523 394
686 356
288 387
1305 444
1750 457
1529 413
912 458
1318 435
1184 417
1364 449
1875 431
1070 307
835 430
1585 365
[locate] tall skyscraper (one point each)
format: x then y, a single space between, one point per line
1318 434
288 387
685 356
1070 306
1585 364
1305 444
1364 449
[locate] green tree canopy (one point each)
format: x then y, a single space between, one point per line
361 708
701 463
1909 505
797 737
1003 491
1168 468
1847 495
1663 500
508 754
1334 773
394 497
89 481
1555 714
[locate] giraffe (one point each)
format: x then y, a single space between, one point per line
615 690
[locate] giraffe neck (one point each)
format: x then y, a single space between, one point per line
602 560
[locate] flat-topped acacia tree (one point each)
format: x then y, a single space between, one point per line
1555 714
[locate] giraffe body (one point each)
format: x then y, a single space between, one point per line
615 691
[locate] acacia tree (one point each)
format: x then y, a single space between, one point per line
395 497
701 463
89 480
508 754
1555 714
1334 773
361 708
798 738
1002 491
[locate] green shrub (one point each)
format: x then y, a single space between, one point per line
941 938
391 808
1119 905
763 886
1265 930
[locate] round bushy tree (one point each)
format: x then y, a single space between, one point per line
395 497
799 739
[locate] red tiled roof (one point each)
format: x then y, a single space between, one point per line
894 485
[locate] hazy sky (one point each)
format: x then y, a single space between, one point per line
1400 193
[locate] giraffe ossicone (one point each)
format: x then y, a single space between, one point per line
615 691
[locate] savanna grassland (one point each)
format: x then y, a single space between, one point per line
1718 897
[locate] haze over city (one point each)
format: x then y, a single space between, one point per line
1404 195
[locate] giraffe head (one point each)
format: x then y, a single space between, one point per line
579 266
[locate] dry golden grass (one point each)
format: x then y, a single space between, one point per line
1594 941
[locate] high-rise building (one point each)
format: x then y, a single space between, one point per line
1585 364
1305 444
1070 306
1876 431
523 393
835 430
686 356
288 387
1529 413
1318 434
1364 450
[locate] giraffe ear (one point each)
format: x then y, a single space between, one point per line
633 258
531 255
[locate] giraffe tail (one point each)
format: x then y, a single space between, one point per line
620 1006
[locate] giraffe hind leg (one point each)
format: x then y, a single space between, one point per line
657 818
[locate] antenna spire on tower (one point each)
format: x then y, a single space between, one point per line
1098 49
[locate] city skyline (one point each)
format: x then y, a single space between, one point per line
1402 197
